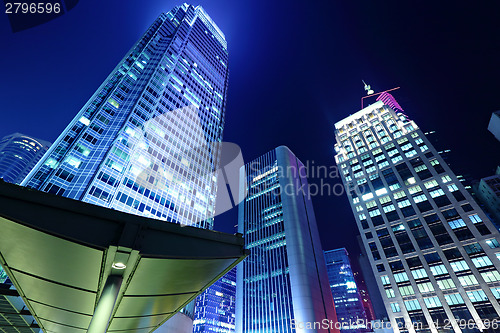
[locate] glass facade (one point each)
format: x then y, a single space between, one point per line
346 296
144 142
280 232
433 251
215 308
19 153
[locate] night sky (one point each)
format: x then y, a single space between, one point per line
295 69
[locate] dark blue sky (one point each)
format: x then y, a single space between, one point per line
295 69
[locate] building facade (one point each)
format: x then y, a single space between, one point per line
147 141
282 285
215 308
144 142
488 193
19 153
346 297
494 124
433 251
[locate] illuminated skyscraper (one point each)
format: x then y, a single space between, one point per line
348 304
282 285
433 251
144 142
19 153
215 308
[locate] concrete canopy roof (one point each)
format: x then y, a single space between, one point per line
59 253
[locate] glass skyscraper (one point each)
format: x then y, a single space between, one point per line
146 141
282 285
433 251
215 308
348 303
19 153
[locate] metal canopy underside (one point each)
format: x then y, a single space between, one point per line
59 252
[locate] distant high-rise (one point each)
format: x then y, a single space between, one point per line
348 303
433 251
282 285
494 124
488 193
215 308
19 153
144 142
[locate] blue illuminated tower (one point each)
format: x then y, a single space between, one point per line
146 141
348 303
215 308
282 286
143 143
19 153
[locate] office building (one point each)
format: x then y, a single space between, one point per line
488 194
143 143
346 297
282 285
19 153
433 251
146 142
215 308
494 124
377 303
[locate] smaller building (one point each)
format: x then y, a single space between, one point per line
346 297
488 193
215 308
494 125
19 153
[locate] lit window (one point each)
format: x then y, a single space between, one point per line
385 280
432 302
477 296
412 305
73 161
430 184
468 280
436 193
438 270
406 290
399 195
446 179
367 196
453 299
446 284
404 203
475 218
493 243
390 293
401 277
452 188
395 307
414 189
84 121
425 287
419 273
459 266
482 261
381 191
491 276
455 224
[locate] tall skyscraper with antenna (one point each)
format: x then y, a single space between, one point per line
147 141
433 251
144 142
